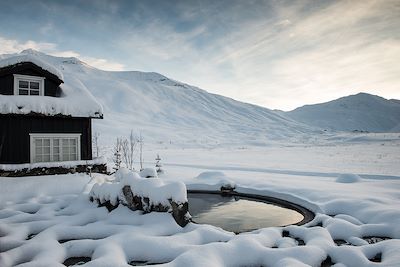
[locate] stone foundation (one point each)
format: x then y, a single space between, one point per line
98 168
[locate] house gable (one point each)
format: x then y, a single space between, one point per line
7 80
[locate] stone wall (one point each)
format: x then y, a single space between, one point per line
98 168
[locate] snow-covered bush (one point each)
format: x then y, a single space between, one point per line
159 164
117 154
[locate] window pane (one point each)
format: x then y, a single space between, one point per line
72 142
66 149
34 85
46 150
56 142
38 150
46 158
33 92
46 142
38 158
73 157
56 150
23 92
23 84
65 142
56 158
65 156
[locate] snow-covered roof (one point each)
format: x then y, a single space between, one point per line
75 99
13 60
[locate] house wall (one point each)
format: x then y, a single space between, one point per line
51 85
15 130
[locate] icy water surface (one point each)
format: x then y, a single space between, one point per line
238 214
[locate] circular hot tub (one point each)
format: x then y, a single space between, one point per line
237 212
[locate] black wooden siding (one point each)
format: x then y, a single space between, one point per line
51 83
15 130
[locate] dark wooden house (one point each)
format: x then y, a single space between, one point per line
43 119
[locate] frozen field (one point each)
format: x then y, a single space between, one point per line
354 189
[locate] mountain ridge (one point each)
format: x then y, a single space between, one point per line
358 112
164 110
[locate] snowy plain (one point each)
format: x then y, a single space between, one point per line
43 223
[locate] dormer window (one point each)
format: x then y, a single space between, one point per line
28 85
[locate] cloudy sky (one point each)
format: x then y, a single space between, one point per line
279 54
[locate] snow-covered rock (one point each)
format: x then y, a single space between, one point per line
138 193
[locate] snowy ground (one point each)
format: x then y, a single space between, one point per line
46 220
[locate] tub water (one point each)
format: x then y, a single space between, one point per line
239 214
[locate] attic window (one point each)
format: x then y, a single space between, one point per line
28 85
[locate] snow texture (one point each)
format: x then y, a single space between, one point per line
46 229
75 101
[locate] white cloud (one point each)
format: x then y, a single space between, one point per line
338 50
8 46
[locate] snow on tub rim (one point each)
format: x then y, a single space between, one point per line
138 193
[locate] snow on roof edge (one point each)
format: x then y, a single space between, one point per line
16 59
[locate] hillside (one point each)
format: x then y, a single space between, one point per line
168 111
361 112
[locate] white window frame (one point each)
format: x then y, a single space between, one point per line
52 136
28 78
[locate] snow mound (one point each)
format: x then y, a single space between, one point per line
211 175
217 179
148 173
348 178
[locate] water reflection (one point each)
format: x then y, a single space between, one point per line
238 214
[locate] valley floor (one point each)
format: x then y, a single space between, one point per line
47 220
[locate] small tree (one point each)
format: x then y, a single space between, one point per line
96 147
128 150
141 151
158 164
117 154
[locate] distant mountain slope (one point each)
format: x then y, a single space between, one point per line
362 112
164 110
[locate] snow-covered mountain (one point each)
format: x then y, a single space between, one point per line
168 111
362 112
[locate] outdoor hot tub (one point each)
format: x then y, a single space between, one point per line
237 212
